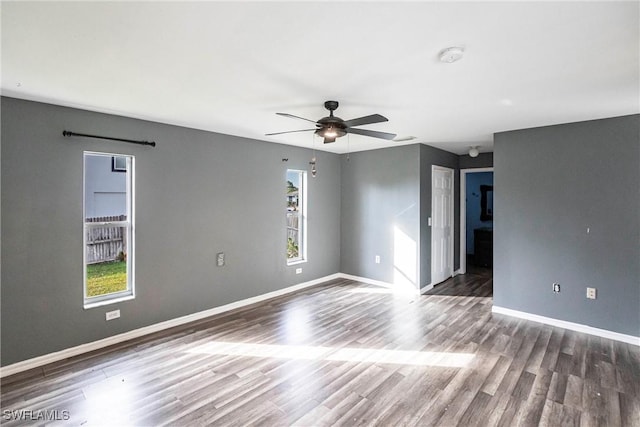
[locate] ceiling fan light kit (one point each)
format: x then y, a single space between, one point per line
332 127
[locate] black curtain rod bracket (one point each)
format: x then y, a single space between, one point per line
131 141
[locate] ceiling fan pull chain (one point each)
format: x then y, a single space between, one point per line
314 170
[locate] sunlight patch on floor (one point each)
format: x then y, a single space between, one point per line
304 352
372 291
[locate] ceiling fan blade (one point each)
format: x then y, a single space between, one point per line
371 133
366 120
289 131
295 117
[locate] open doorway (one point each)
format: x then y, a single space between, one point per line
476 219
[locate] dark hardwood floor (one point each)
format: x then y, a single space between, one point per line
346 353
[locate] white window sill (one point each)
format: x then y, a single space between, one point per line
299 261
108 301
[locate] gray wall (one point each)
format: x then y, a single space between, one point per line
386 195
552 184
484 160
380 200
197 193
430 156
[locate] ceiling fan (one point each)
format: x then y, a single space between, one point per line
332 127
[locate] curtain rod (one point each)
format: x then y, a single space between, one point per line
69 133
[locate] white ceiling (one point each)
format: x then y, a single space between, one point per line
229 67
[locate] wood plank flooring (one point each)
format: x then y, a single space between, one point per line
344 353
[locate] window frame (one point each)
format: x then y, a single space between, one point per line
115 167
129 225
302 221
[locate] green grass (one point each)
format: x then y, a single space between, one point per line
106 278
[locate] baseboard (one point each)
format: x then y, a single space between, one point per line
426 288
385 284
629 339
136 333
405 289
365 280
430 286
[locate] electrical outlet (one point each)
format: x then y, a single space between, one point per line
591 293
112 314
220 259
298 270
377 259
556 287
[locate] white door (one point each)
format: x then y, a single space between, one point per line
441 224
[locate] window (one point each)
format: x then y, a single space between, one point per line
296 216
108 228
119 164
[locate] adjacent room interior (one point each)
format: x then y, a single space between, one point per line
248 213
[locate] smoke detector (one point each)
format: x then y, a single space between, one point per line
451 54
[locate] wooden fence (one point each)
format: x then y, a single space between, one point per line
105 243
292 226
